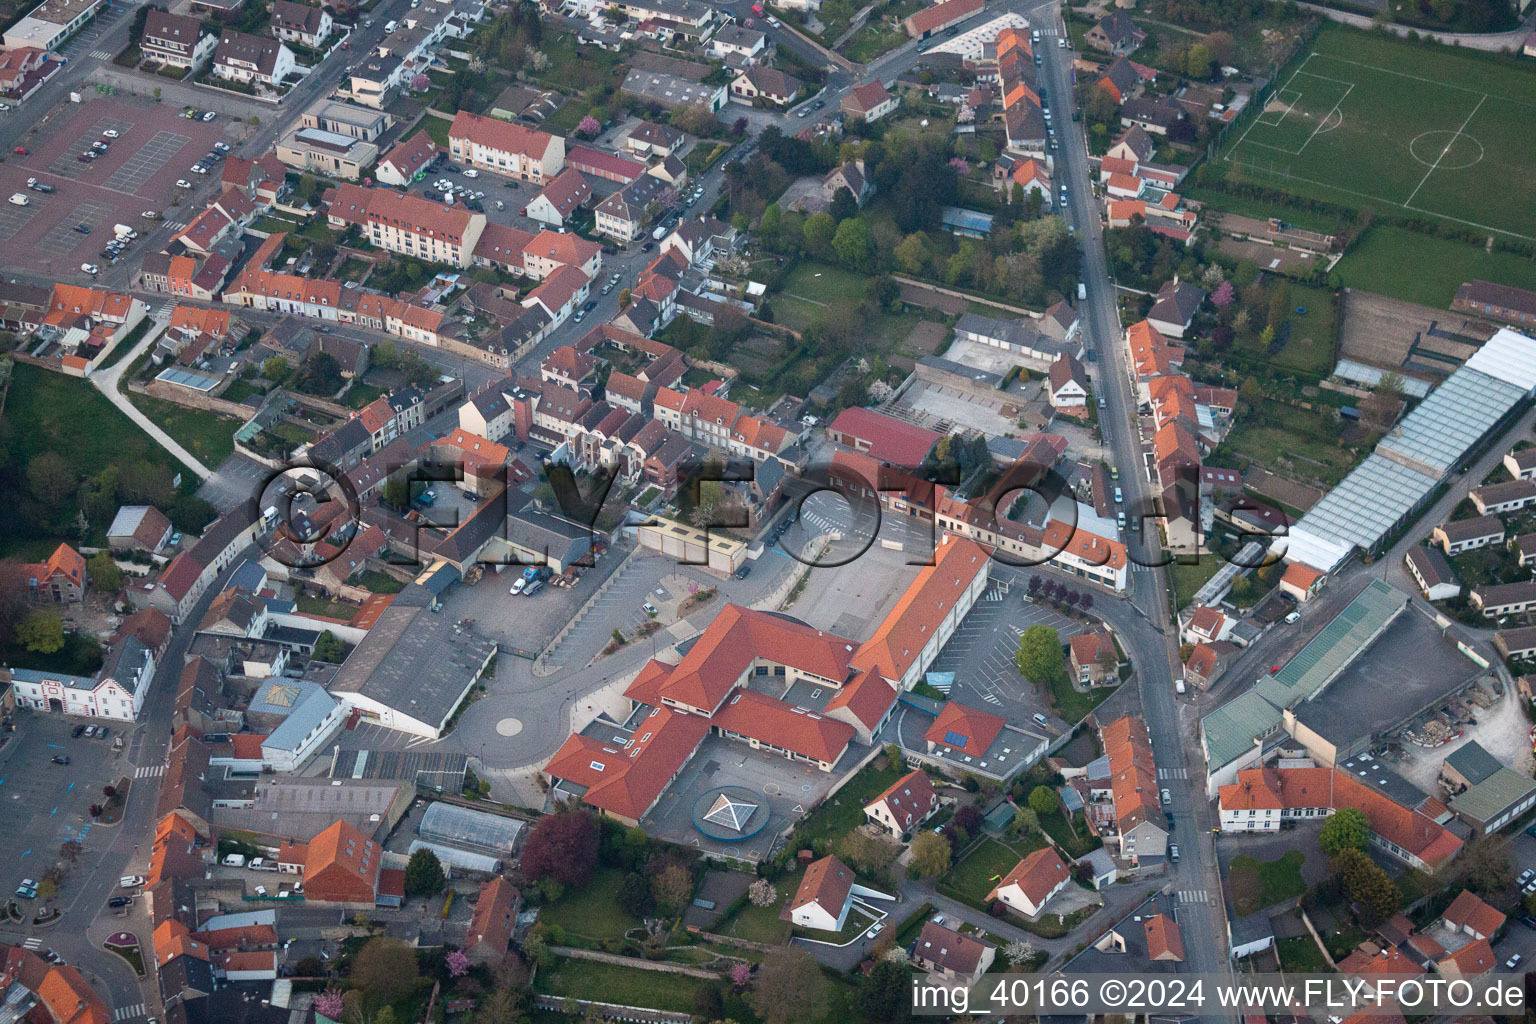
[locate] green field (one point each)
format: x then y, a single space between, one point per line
1257 884
1372 120
973 877
1419 268
614 983
593 910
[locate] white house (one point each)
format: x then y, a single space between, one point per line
246 58
1032 882
910 801
116 692
825 893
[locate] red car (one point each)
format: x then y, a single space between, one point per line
20 151
757 9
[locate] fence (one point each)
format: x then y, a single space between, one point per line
1260 97
565 630
634 963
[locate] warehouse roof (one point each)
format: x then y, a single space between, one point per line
1330 652
1232 729
1493 796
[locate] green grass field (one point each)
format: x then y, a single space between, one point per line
1257 884
973 877
614 983
1419 268
1373 120
593 910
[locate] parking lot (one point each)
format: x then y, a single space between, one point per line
137 171
46 804
981 655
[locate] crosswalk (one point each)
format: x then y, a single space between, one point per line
149 771
129 1012
1173 773
176 225
164 312
1193 896
34 943
102 54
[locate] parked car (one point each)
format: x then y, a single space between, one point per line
119 901
27 890
209 116
1513 962
129 881
518 585
1173 852
20 151
60 759
183 183
470 172
84 229
78 730
1167 798
222 147
1526 876
90 268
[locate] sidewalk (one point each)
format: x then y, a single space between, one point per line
107 381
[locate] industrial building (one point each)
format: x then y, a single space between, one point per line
1452 425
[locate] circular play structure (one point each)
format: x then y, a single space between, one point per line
729 814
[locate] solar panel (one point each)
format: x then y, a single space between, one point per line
954 739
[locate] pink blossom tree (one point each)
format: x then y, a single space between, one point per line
741 974
589 126
328 1004
1223 295
458 963
960 164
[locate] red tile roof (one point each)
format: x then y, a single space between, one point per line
494 133
913 623
827 883
909 798
342 865
1088 647
739 636
975 729
772 721
70 999
1475 957
888 439
867 696
627 780
939 15
494 918
1090 547
1467 911
246 746
1036 875
1300 576
1163 939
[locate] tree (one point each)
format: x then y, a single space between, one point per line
819 231
624 298
276 369
1199 61
104 572
635 897
672 888
385 969
457 961
1346 829
843 205
562 846
1018 952
930 854
1367 886
1040 658
330 648
424 874
885 994
864 853
1224 295
1484 866
967 819
589 126
1249 395
47 889
41 631
500 1007
320 375
1043 800
51 479
789 986
911 253
852 245
1025 821
761 893
708 1003
328 1003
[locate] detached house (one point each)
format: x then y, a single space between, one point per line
909 802
246 58
300 23
61 579
1116 34
1069 385
870 101
176 40
560 199
825 893
1175 308
1032 882
951 956
765 85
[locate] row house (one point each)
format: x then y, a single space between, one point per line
240 57
501 147
300 23
176 40
407 224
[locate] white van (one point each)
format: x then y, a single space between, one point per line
659 233
1178 685
1082 291
235 860
17 199
389 26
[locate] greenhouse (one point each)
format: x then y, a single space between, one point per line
464 826
457 861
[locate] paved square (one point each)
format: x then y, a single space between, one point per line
68 163
142 165
61 239
14 218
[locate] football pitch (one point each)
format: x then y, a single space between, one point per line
1369 121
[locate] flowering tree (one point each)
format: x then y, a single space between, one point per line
741 974
458 963
1017 952
328 1004
1223 295
762 893
421 83
589 126
960 164
967 114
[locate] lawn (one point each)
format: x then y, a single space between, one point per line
845 811
1307 441
811 287
879 35
1075 843
762 924
1370 119
1300 955
593 911
972 878
378 582
1257 884
1417 268
329 609
46 412
436 129
854 925
207 435
1073 705
614 983
1189 577
1310 339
